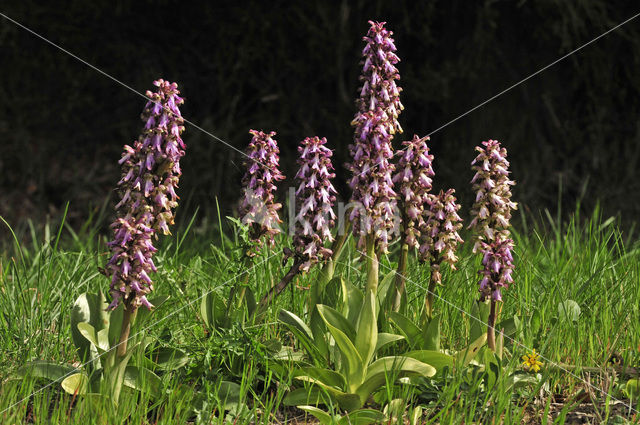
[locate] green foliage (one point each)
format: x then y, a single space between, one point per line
103 373
356 375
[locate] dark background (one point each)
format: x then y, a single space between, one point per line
572 132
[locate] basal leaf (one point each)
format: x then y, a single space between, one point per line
386 338
77 383
411 332
367 335
323 417
337 320
464 357
437 359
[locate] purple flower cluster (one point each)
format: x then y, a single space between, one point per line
373 198
258 208
498 266
375 124
439 233
491 213
315 196
150 175
414 178
379 90
492 208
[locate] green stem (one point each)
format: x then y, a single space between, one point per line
329 268
372 264
433 281
127 317
400 277
491 322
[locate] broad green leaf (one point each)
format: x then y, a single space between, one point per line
511 327
46 370
411 332
367 335
331 291
386 338
76 383
393 364
437 359
89 333
391 368
352 301
323 417
491 369
331 390
337 320
329 377
569 311
520 379
213 310
349 402
478 319
168 358
293 321
89 308
431 334
304 396
500 345
362 417
103 339
229 393
115 325
465 356
142 379
354 364
319 331
386 287
116 374
301 331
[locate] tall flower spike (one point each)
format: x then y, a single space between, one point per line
413 178
497 265
258 208
492 208
375 124
147 189
315 196
439 234
372 196
379 74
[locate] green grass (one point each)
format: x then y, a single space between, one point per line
584 260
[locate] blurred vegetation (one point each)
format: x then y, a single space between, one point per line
572 132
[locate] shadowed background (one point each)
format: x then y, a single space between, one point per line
572 132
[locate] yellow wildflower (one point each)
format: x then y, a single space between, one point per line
531 361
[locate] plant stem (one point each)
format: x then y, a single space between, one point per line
277 289
433 281
127 316
491 322
400 277
329 268
372 264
